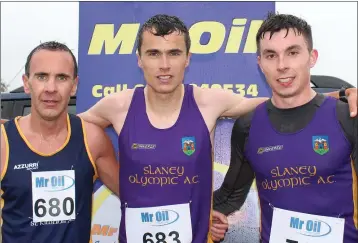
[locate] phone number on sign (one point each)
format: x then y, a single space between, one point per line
99 90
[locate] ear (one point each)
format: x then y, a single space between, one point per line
188 59
139 61
27 84
313 58
259 63
74 87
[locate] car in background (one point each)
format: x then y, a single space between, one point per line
17 103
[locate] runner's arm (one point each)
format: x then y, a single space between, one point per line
355 148
3 151
238 180
102 152
349 126
235 105
351 94
100 114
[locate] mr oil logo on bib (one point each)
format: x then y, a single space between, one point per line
311 227
160 218
295 227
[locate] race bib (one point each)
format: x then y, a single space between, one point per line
165 224
294 227
53 196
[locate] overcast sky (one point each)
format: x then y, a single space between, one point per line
25 24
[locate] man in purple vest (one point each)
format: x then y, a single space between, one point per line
165 134
300 146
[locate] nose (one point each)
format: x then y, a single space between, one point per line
282 64
164 63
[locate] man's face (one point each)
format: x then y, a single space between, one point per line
163 61
50 83
286 62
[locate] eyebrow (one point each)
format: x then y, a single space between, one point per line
175 50
151 50
58 75
268 51
169 51
41 73
293 47
290 48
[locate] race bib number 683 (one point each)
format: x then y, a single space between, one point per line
164 224
53 196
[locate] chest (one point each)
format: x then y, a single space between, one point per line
28 170
47 145
181 144
312 153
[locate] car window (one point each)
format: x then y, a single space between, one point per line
6 109
72 109
26 110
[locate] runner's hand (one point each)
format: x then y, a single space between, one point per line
219 226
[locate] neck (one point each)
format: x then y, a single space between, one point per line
291 102
164 104
48 128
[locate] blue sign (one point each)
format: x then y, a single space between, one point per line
223 36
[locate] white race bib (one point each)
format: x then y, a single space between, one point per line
53 196
294 227
170 224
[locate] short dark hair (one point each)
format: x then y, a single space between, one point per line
163 25
276 22
51 46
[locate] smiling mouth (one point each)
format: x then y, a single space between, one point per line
164 77
285 80
50 101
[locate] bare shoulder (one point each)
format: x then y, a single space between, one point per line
211 103
216 99
109 110
4 150
205 96
3 138
120 101
94 134
96 138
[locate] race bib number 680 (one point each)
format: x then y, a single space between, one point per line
53 196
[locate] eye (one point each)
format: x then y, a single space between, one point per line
153 54
270 56
176 53
41 77
293 53
62 78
